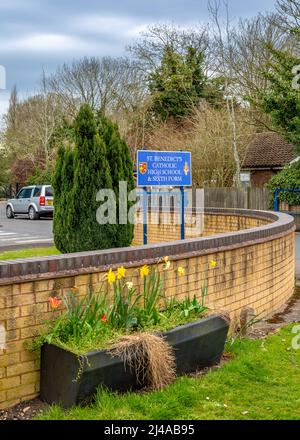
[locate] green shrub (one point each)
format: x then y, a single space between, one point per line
288 178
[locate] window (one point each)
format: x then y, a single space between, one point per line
25 193
245 178
19 195
37 191
49 191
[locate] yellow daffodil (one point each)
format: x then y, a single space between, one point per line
121 272
111 277
129 285
167 265
213 264
181 271
144 271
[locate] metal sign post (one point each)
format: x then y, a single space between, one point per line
145 216
276 200
182 233
163 169
276 196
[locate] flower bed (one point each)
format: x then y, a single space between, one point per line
126 337
195 345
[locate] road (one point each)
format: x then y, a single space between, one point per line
22 233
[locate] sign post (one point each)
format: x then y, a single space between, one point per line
182 229
145 216
163 169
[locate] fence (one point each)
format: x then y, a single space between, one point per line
243 198
259 199
249 198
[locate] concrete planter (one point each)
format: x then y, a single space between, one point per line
196 345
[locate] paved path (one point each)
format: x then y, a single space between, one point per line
22 233
289 314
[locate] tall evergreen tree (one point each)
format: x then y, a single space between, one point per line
58 183
91 174
100 160
79 175
177 84
67 218
121 168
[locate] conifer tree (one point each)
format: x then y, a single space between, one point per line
57 186
80 174
178 84
100 160
62 184
121 168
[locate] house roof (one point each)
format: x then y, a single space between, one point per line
268 150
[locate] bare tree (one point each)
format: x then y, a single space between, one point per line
105 84
289 12
29 126
251 54
48 116
13 104
225 49
208 135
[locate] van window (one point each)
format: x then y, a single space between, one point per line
49 191
37 191
25 193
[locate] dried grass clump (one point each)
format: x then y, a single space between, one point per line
149 356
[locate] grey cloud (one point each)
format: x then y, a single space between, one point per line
36 34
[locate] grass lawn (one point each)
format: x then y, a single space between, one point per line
29 253
260 382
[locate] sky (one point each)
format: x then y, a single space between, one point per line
37 35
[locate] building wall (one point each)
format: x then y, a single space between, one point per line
255 267
260 177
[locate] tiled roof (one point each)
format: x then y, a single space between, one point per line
268 150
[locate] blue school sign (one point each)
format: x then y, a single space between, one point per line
164 168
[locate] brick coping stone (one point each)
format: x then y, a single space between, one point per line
58 266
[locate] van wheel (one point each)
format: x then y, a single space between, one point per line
33 215
9 212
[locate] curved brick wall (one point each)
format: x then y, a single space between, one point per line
255 268
164 227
